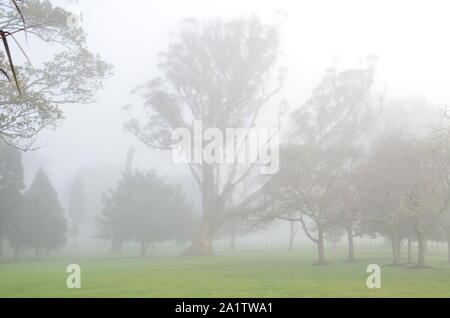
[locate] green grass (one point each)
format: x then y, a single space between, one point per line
255 274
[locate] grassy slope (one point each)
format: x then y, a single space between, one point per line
270 274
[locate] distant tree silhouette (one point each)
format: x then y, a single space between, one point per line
43 227
76 208
11 186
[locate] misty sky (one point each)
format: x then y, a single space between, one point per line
410 38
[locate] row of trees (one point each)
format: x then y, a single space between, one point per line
342 168
143 208
342 163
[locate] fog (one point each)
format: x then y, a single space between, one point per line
409 37
400 50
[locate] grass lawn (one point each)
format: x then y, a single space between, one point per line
252 274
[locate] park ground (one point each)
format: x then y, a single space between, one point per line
240 274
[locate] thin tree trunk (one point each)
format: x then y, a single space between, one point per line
448 244
395 252
143 248
291 236
351 248
320 247
116 246
75 241
1 248
421 249
37 253
233 240
409 250
2 234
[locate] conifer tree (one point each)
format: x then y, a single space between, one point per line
44 226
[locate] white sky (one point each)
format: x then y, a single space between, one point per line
411 39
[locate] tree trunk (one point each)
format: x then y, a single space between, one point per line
291 236
233 240
2 234
116 246
75 241
143 248
202 243
1 248
351 249
395 251
409 250
320 247
448 244
399 248
421 250
37 253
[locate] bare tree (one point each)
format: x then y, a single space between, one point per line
438 147
381 188
315 164
409 181
425 186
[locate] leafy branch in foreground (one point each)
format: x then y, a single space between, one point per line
3 35
71 75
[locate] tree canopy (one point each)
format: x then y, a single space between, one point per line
68 72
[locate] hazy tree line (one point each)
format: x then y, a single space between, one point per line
343 169
341 165
143 208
